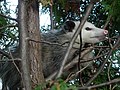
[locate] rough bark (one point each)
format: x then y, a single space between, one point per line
35 48
30 51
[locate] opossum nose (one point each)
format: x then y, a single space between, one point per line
105 32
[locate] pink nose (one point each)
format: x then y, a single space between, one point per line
105 32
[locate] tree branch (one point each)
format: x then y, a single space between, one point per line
9 25
5 54
8 17
47 42
10 60
23 21
100 85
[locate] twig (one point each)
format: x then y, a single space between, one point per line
10 60
15 63
76 74
51 14
74 38
9 56
79 59
8 26
51 43
105 26
100 85
8 17
91 59
107 22
5 54
47 42
108 74
114 87
102 66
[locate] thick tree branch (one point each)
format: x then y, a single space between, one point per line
23 21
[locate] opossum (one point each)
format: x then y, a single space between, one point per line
54 50
53 54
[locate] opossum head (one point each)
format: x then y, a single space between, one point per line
90 33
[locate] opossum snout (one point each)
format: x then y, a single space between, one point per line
105 32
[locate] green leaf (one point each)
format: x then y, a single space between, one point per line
38 87
63 86
53 87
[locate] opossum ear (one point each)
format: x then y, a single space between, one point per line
69 26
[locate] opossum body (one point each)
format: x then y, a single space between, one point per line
53 54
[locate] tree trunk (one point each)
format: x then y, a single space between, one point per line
30 51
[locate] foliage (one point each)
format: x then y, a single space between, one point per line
74 10
45 2
112 6
8 30
57 85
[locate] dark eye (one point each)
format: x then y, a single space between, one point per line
88 29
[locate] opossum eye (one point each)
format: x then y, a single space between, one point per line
88 29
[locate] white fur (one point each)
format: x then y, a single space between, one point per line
92 36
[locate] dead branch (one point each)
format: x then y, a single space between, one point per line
9 25
8 17
15 63
100 85
76 74
107 22
47 42
108 74
5 54
10 60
